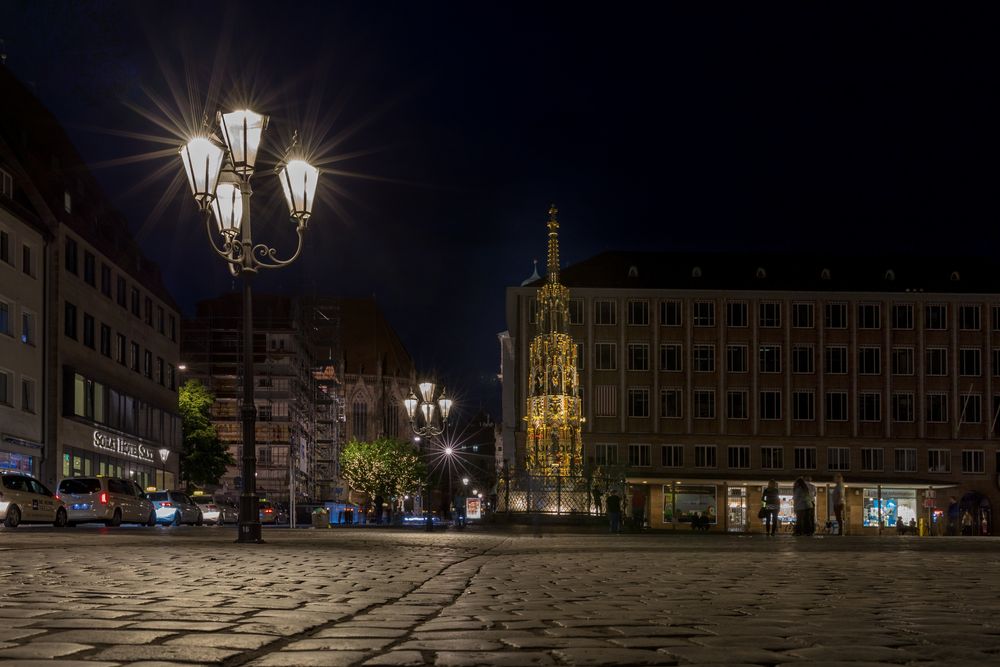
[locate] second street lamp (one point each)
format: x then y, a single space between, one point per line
428 417
219 177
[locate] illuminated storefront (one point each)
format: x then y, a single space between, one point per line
684 503
896 505
19 454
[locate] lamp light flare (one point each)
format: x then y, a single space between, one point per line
228 208
427 391
410 403
298 181
242 131
202 160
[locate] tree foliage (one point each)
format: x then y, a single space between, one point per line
384 467
204 458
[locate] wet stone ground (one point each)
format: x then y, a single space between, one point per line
171 596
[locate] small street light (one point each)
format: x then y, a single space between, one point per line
428 417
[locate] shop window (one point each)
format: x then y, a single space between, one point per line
894 505
685 502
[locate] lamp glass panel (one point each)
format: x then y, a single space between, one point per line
427 391
202 162
298 181
411 406
243 131
228 208
428 411
445 404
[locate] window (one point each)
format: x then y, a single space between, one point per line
88 330
972 409
160 377
802 315
973 461
802 359
838 458
704 456
136 302
670 403
607 455
639 456
937 408
134 357
67 202
803 405
902 316
770 404
869 360
968 318
737 404
6 184
938 460
575 311
739 457
902 407
836 406
105 280
936 316
171 377
6 388
872 459
704 404
670 313
581 353
772 458
805 458
770 314
69 320
120 349
27 264
121 292
638 356
869 316
937 361
770 359
704 314
906 460
89 268
836 316
28 395
71 256
672 456
704 358
532 311
5 318
605 313
605 356
149 311
605 400
105 340
836 360
160 321
638 402
869 406
147 364
670 357
736 358
969 362
5 247
173 328
638 313
902 361
359 419
996 318
736 314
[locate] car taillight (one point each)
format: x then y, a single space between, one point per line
56 496
166 503
268 511
104 497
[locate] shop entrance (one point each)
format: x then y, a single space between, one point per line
738 510
978 507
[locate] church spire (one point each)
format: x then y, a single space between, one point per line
553 266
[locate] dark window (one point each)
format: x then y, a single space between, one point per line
26 265
89 268
69 320
836 316
147 364
149 311
736 314
71 256
936 316
88 330
136 303
106 280
670 313
122 295
121 349
105 340
173 328
134 357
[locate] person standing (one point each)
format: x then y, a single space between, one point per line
811 516
800 503
615 511
597 498
966 523
772 503
378 510
839 499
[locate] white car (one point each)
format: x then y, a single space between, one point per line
23 499
214 511
108 500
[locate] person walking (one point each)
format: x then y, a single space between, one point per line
839 499
772 503
615 511
800 503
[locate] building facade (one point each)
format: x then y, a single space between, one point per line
704 377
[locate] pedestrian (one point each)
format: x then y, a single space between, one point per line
772 503
966 523
378 510
597 498
614 507
800 503
811 516
839 498
638 508
953 516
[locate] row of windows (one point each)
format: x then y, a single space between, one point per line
26 327
738 457
769 359
769 314
124 352
9 255
803 405
99 403
8 392
125 296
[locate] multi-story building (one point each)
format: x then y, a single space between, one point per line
105 329
705 376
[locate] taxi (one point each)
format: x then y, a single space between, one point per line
23 499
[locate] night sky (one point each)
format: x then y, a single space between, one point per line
446 130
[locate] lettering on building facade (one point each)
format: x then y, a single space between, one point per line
122 447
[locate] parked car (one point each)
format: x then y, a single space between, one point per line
23 499
175 508
214 511
272 514
108 500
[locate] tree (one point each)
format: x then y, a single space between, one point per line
204 458
384 467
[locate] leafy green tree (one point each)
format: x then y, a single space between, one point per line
204 458
384 467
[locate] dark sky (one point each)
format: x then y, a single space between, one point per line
661 126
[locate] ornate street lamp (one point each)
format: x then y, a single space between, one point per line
219 177
428 417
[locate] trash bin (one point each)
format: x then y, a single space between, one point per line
321 518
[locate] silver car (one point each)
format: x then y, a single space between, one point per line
108 500
23 499
175 508
214 511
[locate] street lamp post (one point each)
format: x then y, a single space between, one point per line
428 417
219 176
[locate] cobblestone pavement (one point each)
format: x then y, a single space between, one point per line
169 596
